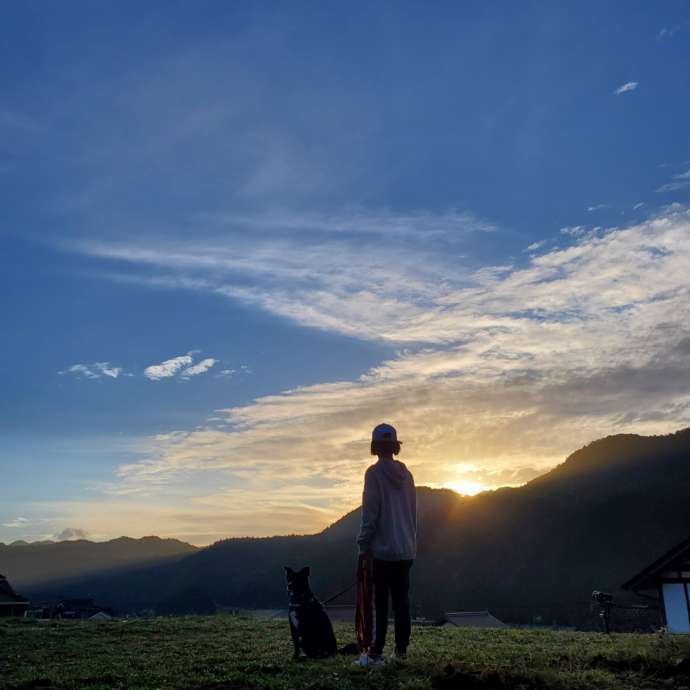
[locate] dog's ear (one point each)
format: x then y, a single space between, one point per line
306 571
288 570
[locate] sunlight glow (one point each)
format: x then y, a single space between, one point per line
465 487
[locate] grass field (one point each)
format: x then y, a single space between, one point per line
229 653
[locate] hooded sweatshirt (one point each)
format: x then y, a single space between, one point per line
389 512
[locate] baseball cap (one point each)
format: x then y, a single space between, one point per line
384 432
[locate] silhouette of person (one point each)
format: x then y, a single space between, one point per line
388 538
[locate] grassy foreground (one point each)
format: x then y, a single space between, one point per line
229 653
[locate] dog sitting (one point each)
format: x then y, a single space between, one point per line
310 625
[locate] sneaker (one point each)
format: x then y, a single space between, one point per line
370 660
400 656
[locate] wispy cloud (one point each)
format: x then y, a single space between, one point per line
182 366
168 368
328 280
678 182
474 473
597 207
638 206
503 366
666 32
96 370
70 533
573 230
425 224
200 368
16 523
626 88
584 341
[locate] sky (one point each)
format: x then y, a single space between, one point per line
236 236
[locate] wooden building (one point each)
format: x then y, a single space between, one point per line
668 580
11 604
79 609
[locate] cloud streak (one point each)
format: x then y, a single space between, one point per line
327 280
200 368
626 88
97 370
681 181
666 32
280 195
181 366
71 533
167 368
514 367
358 221
16 523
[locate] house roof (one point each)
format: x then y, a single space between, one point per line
649 576
474 619
7 594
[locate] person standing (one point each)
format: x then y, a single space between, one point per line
387 539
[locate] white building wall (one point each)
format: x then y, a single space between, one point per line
676 607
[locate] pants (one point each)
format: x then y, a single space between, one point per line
392 577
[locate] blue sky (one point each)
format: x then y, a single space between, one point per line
468 219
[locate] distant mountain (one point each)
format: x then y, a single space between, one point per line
28 565
538 550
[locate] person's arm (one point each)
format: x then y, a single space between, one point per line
371 504
414 504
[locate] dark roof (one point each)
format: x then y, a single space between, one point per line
647 578
474 619
7 594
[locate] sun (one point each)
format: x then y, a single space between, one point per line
465 487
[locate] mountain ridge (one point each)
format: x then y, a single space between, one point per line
121 538
31 563
532 551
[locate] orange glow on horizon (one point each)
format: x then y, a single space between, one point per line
465 487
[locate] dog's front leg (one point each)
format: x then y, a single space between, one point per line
292 617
